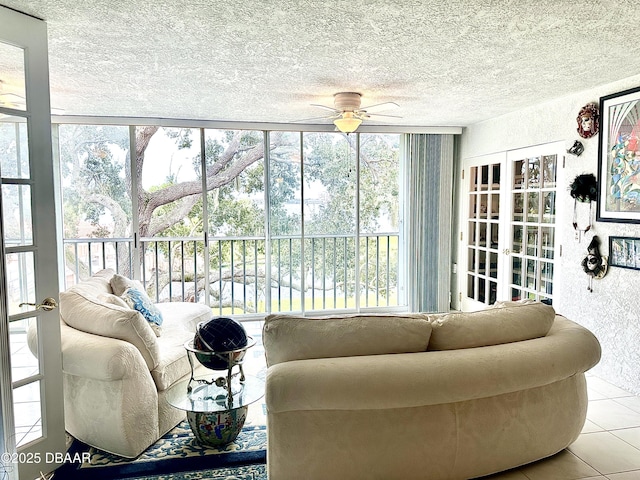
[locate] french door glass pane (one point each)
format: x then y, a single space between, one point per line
533 174
550 166
27 411
20 281
23 363
14 148
518 207
12 84
549 203
16 211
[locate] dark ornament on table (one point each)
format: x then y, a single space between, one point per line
219 335
576 149
594 264
588 120
584 188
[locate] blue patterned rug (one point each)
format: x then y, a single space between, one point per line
177 456
248 472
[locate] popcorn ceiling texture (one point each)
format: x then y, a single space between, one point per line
446 62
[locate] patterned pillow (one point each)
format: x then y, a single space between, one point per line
140 301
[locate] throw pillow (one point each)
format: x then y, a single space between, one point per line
511 322
289 338
119 283
112 299
139 300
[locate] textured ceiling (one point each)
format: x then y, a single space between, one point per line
445 62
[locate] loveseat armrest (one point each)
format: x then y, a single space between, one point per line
101 358
431 378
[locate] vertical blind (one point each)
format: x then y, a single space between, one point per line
429 202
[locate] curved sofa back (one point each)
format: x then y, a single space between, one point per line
433 377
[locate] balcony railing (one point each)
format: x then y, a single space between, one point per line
250 275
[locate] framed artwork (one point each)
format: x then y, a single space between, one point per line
624 252
619 158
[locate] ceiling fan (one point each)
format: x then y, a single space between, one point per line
347 114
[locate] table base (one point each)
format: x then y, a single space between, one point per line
217 428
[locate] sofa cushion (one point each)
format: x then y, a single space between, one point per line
289 337
81 308
183 315
173 364
140 301
510 322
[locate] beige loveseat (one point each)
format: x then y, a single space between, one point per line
116 371
417 396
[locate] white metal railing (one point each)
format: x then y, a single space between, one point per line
251 275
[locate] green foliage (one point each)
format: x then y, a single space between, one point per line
93 163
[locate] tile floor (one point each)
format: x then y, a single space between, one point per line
608 448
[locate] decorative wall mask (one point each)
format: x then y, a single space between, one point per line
576 149
594 264
588 120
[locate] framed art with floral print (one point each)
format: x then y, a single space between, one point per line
619 158
624 252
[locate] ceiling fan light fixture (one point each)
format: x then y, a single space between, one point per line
348 123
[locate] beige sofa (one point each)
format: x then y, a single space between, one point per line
449 396
116 371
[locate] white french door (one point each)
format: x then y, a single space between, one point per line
531 191
481 232
507 227
32 426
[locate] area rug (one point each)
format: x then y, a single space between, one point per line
176 452
248 472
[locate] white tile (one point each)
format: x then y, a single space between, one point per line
629 435
606 453
634 475
590 427
610 415
605 388
595 395
630 402
562 466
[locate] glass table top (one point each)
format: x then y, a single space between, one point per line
211 398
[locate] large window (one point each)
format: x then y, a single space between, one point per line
249 222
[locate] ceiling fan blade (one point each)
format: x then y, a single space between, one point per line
382 115
331 109
378 107
324 117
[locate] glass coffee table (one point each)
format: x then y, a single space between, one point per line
215 417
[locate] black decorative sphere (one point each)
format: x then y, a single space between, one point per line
219 335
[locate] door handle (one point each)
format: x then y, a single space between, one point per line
47 304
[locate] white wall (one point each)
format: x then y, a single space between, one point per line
612 310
